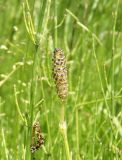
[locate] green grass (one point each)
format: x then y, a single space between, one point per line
90 34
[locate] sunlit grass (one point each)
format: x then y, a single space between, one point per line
90 34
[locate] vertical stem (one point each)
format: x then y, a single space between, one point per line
112 58
62 112
33 86
66 146
77 133
46 17
31 109
55 20
63 130
46 116
100 77
4 144
76 120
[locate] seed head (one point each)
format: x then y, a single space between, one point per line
60 73
37 138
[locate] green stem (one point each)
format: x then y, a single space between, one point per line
33 86
55 21
63 131
77 133
112 59
66 146
62 112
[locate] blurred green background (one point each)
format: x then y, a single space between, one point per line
90 34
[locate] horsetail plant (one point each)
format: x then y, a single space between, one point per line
60 78
37 137
60 73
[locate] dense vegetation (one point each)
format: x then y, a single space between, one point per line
90 34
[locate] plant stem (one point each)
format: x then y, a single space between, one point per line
55 21
63 131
